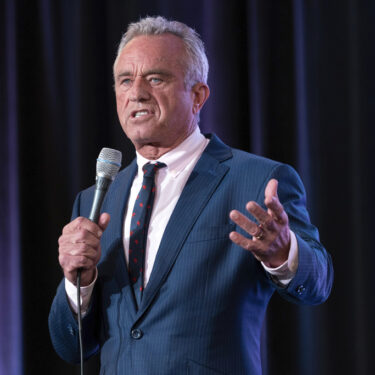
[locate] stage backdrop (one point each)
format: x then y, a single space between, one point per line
290 80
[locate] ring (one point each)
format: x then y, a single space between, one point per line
260 235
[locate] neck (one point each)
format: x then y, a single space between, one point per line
153 151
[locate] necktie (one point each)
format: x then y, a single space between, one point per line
139 227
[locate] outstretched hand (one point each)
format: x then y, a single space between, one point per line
270 238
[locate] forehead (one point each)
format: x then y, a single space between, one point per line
151 51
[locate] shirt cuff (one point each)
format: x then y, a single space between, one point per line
86 292
284 274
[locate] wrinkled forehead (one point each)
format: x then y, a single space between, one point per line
165 51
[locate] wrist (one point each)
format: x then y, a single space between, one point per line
87 277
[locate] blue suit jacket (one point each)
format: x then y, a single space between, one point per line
203 308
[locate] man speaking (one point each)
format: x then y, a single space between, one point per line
194 236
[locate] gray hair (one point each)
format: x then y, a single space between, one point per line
196 62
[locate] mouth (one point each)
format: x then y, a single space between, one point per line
140 113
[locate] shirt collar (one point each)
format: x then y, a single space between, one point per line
178 158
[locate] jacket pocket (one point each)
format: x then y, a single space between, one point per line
211 233
194 368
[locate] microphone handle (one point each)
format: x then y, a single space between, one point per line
102 185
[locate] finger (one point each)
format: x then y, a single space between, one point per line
78 256
276 210
79 249
240 240
104 220
81 236
261 215
272 202
83 223
271 189
71 264
244 222
246 244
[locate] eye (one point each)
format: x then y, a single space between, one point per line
154 81
126 82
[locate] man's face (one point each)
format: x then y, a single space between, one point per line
153 105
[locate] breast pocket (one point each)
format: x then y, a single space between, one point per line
209 233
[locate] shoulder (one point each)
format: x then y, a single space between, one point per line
236 158
259 167
247 169
242 158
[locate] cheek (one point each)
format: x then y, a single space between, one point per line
120 106
120 101
183 108
170 106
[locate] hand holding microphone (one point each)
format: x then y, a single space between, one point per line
79 248
79 244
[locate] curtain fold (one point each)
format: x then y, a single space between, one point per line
10 271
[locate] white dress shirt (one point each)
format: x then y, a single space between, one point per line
169 182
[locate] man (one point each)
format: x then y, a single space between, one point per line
197 299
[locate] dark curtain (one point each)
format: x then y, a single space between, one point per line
290 80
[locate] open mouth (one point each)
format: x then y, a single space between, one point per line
140 113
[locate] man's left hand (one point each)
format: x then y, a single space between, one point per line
270 240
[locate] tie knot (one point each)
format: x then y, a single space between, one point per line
149 169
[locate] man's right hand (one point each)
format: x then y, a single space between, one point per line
79 247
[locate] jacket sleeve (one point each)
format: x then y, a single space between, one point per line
63 324
314 278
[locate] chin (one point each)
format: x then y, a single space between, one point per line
146 139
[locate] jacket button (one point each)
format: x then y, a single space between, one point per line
136 333
71 330
300 289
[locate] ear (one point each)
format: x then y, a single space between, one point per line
200 93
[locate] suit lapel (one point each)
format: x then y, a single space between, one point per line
116 201
199 188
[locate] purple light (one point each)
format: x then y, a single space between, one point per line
10 283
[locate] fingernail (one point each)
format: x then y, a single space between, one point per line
100 233
234 215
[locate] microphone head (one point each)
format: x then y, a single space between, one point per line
108 163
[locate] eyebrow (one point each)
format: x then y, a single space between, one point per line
128 73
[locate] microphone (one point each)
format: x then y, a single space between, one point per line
107 166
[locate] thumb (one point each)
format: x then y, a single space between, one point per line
271 189
104 220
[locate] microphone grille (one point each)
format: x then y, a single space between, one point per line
108 163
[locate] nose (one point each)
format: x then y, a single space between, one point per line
139 90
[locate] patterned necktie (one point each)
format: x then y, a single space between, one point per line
139 227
